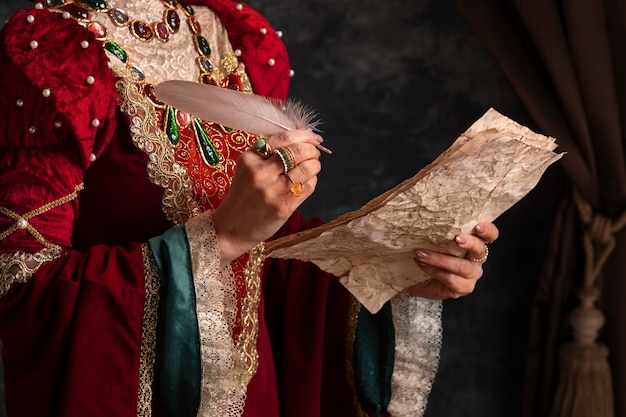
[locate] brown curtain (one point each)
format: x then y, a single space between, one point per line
566 61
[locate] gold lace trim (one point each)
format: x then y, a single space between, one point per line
148 339
20 266
246 343
21 221
178 203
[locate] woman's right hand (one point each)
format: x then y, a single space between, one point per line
259 201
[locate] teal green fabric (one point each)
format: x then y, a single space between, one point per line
178 361
373 361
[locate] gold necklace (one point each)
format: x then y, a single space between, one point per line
82 11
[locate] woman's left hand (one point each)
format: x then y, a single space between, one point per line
452 276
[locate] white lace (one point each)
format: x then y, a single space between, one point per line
224 372
418 343
176 58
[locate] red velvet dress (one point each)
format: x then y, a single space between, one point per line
82 291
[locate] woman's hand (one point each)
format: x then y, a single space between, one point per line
260 201
454 277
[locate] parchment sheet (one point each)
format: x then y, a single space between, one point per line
488 169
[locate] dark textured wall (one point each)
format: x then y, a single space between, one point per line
395 82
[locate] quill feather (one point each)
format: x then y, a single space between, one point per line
237 110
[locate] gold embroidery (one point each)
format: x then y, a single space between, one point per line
21 221
20 266
148 339
246 343
353 316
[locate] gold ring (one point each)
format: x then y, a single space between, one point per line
483 258
263 148
288 162
296 188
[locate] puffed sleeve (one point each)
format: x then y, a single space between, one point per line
58 102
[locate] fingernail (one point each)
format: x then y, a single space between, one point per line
479 228
421 254
460 240
419 263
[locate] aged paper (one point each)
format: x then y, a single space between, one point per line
489 168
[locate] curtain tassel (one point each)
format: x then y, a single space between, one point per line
585 387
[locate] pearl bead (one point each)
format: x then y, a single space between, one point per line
292 73
34 44
238 52
263 31
22 223
109 64
46 92
38 6
95 123
279 33
91 80
66 15
92 157
239 6
30 18
19 102
58 124
271 62
32 129
84 44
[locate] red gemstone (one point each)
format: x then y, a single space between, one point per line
162 31
98 30
183 118
194 25
142 30
172 19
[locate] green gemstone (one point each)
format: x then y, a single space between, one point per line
208 151
95 4
203 45
171 127
116 50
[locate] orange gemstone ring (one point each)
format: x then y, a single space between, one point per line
296 188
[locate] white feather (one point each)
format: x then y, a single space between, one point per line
241 111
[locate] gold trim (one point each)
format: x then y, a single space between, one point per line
353 316
148 338
246 343
21 221
20 266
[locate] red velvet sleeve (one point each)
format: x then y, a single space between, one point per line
58 101
72 331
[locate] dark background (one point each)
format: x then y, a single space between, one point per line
395 82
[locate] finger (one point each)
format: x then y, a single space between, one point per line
447 284
306 170
441 265
288 137
488 232
477 250
299 152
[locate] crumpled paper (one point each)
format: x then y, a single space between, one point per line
488 169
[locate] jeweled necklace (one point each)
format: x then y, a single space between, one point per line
81 10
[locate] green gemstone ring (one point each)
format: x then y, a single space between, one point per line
263 148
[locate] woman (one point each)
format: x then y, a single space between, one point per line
133 280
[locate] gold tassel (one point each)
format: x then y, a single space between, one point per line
585 386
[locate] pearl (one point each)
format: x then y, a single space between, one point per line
271 62
91 80
238 52
30 18
263 31
279 33
66 15
34 44
46 92
110 64
292 73
84 44
95 123
58 124
239 6
39 6
32 129
22 223
92 157
20 102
